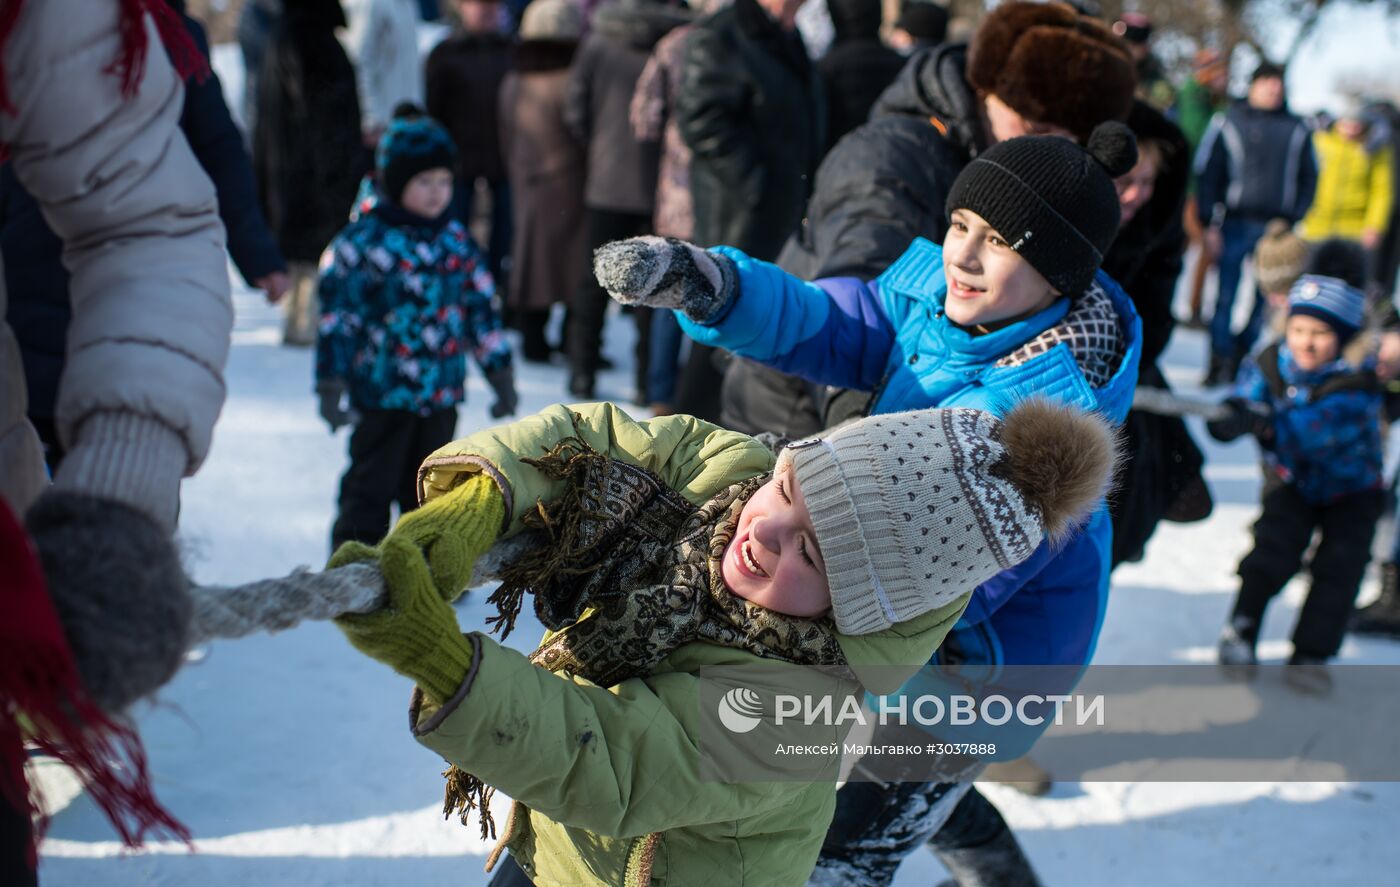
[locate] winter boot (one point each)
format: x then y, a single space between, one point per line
1308 674
1235 652
1217 372
998 863
1381 617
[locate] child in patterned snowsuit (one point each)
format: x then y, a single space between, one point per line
1317 417
405 294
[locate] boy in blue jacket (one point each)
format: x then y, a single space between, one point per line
1317 417
405 294
1009 307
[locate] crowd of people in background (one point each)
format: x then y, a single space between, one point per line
408 204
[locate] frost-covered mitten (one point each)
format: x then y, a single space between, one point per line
502 382
454 530
416 633
663 272
117 584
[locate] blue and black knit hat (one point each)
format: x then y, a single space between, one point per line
412 144
1330 300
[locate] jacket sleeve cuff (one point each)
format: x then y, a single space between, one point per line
133 459
422 718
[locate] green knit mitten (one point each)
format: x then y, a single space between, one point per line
416 633
454 530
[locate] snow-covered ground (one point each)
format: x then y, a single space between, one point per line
289 757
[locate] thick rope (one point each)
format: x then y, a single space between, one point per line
279 604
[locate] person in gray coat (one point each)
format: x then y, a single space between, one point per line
621 187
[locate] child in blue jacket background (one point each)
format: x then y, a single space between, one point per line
1317 417
1009 307
405 295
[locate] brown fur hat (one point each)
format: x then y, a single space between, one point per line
1052 65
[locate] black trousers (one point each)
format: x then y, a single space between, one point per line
386 448
1281 538
585 333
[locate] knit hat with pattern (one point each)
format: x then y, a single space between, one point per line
409 146
1052 200
1329 300
912 510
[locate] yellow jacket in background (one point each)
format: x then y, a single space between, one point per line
1354 189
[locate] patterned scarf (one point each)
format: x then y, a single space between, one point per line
1092 331
630 573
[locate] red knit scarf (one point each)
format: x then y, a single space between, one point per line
131 63
42 701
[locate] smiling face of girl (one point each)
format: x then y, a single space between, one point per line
989 283
774 560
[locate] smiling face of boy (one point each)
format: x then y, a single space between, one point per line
989 283
774 560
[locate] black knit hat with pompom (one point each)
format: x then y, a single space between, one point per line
1051 199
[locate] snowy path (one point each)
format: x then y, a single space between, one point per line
289 756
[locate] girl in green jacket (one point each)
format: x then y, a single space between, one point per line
664 554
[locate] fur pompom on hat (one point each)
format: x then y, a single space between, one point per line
1053 201
912 510
1052 65
1280 257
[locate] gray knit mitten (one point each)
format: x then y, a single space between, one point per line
119 589
331 392
663 272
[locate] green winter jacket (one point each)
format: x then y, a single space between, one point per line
609 783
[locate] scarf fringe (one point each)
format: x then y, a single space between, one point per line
566 554
465 793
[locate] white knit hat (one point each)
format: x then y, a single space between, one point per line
913 510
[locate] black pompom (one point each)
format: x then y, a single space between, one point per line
1342 259
1115 148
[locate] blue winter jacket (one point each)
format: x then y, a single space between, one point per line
1255 164
891 336
1326 424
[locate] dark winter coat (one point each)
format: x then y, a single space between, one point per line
463 86
621 170
307 150
1255 165
857 67
883 185
1323 429
1162 461
886 183
403 301
546 168
751 109
36 278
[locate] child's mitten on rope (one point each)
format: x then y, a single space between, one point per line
454 530
416 633
663 272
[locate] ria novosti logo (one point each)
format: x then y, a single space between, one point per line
740 710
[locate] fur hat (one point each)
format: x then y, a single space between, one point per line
552 20
912 510
1280 257
1052 65
1053 201
413 143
